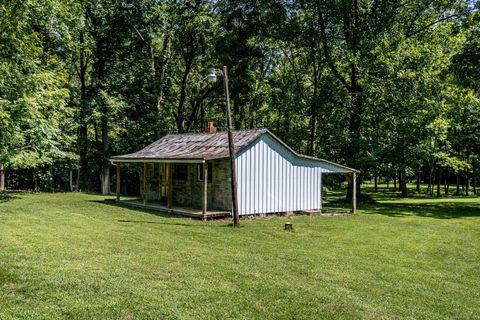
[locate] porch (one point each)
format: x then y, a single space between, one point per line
192 188
178 210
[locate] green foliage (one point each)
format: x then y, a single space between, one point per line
35 113
465 63
389 89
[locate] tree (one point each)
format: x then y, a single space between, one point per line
34 111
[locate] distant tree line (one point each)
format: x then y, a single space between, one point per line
389 87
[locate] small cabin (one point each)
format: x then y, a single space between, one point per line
190 174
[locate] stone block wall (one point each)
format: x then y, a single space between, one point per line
219 194
189 192
155 174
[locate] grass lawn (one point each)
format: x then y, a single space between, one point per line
73 256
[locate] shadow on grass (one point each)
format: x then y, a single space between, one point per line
387 197
126 206
443 210
139 221
8 196
179 224
161 214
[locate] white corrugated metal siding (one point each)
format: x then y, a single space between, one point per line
272 179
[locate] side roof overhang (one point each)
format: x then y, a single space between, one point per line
338 167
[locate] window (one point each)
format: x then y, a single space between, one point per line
180 172
200 172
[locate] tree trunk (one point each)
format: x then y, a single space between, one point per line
445 181
431 180
83 114
438 178
350 189
313 114
355 124
375 181
77 183
448 183
418 180
395 182
400 179
105 180
159 78
180 113
353 86
458 183
313 128
474 183
2 177
403 183
238 111
105 171
35 183
467 182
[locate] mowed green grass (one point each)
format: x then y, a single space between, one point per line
71 256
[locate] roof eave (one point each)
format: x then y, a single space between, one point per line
154 160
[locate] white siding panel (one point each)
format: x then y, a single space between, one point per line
240 185
272 179
310 186
243 181
298 191
258 177
319 192
313 187
250 192
317 188
307 187
253 195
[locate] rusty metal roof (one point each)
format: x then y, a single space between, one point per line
199 147
193 146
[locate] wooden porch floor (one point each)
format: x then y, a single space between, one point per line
183 211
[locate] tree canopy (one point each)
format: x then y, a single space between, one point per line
391 88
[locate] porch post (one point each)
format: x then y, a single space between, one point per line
205 188
118 181
354 195
144 183
159 180
170 186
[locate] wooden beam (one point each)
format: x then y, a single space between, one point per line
170 185
144 183
118 182
205 189
354 193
